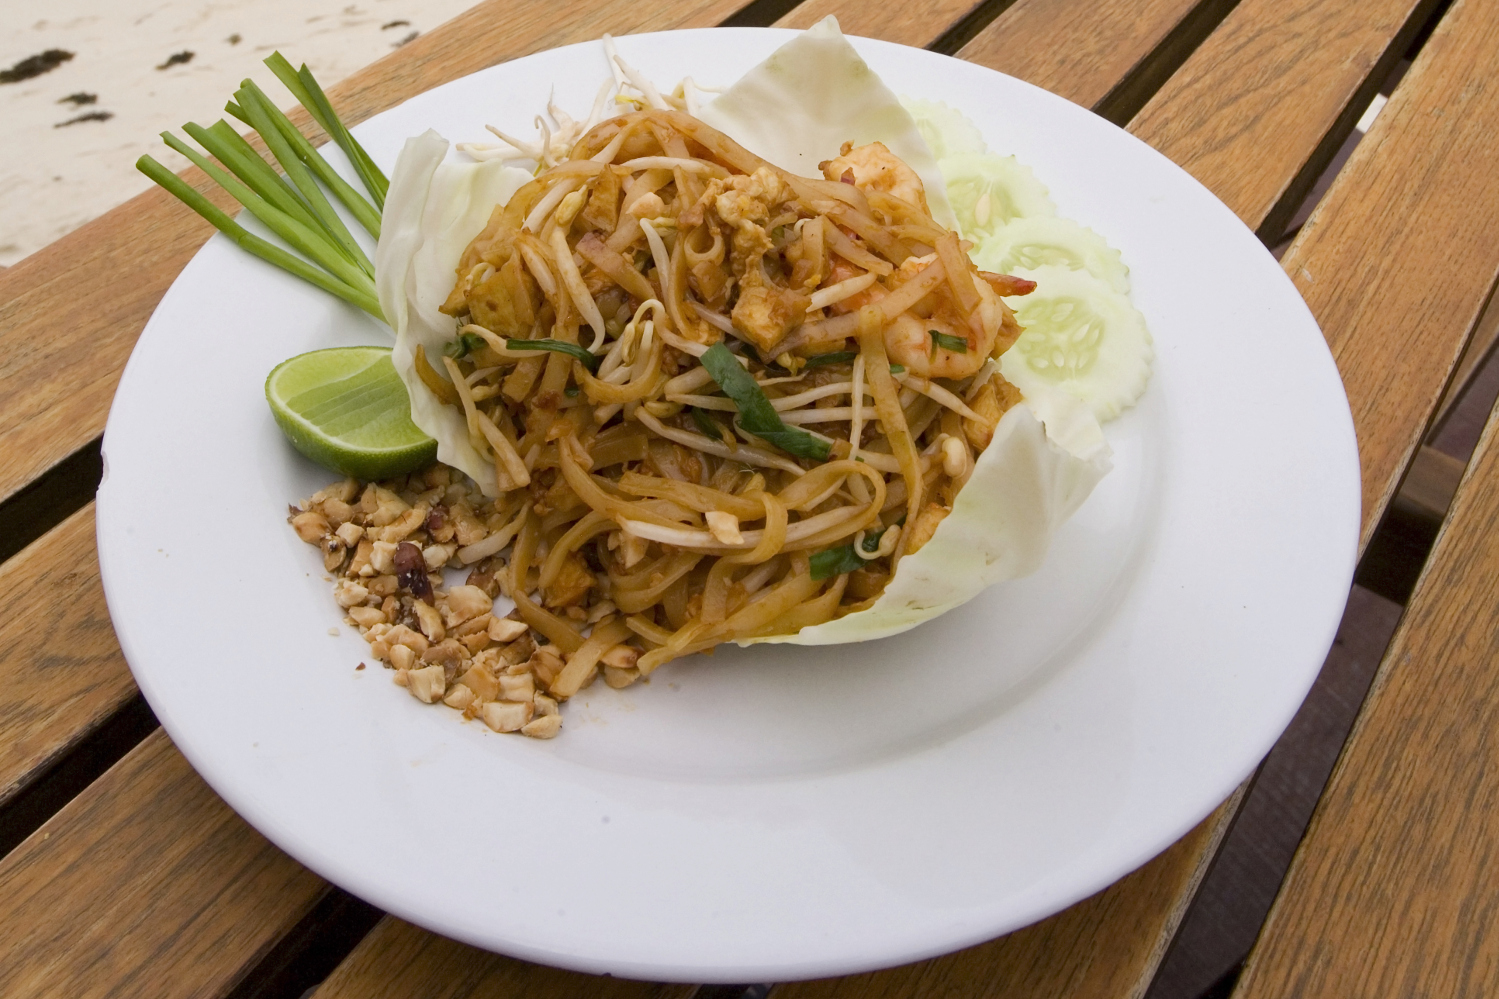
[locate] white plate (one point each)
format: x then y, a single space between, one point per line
771 813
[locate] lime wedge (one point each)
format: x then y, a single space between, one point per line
346 409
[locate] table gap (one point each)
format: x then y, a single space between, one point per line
300 961
1303 192
1140 84
51 498
969 25
32 805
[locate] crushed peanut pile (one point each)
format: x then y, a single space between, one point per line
387 545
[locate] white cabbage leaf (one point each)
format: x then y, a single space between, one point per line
812 95
1046 456
432 212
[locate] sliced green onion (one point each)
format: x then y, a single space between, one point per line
897 369
947 341
836 357
756 415
590 361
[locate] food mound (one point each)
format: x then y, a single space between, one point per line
714 401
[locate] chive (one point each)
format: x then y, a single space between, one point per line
267 251
590 361
260 109
947 341
837 561
571 391
707 424
311 96
836 357
897 369
756 415
364 213
301 236
465 345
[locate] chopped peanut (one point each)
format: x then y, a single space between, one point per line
466 603
507 630
310 526
545 727
506 716
427 684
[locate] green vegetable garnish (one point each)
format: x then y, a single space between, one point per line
836 357
465 345
707 424
897 369
756 415
577 353
947 341
295 206
837 561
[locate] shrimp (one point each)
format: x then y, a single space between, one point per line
909 340
876 168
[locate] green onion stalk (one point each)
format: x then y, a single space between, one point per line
295 202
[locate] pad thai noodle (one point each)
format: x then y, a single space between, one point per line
722 398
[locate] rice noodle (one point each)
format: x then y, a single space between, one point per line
666 511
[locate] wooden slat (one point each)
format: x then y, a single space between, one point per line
97 902
61 671
1416 189
1391 893
1081 51
1123 932
70 313
398 961
1269 87
908 23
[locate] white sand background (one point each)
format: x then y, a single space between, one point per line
55 177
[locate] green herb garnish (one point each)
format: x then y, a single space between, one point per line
836 561
707 424
947 341
836 357
897 369
293 204
465 345
577 353
756 415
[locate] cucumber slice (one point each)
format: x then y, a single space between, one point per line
1082 337
946 130
987 192
1026 244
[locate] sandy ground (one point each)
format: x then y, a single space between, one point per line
70 136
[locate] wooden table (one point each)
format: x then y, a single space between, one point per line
121 874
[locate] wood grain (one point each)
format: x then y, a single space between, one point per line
146 885
1271 86
70 313
61 671
1420 187
908 23
1081 51
398 961
1392 891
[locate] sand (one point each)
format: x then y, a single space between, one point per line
64 162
